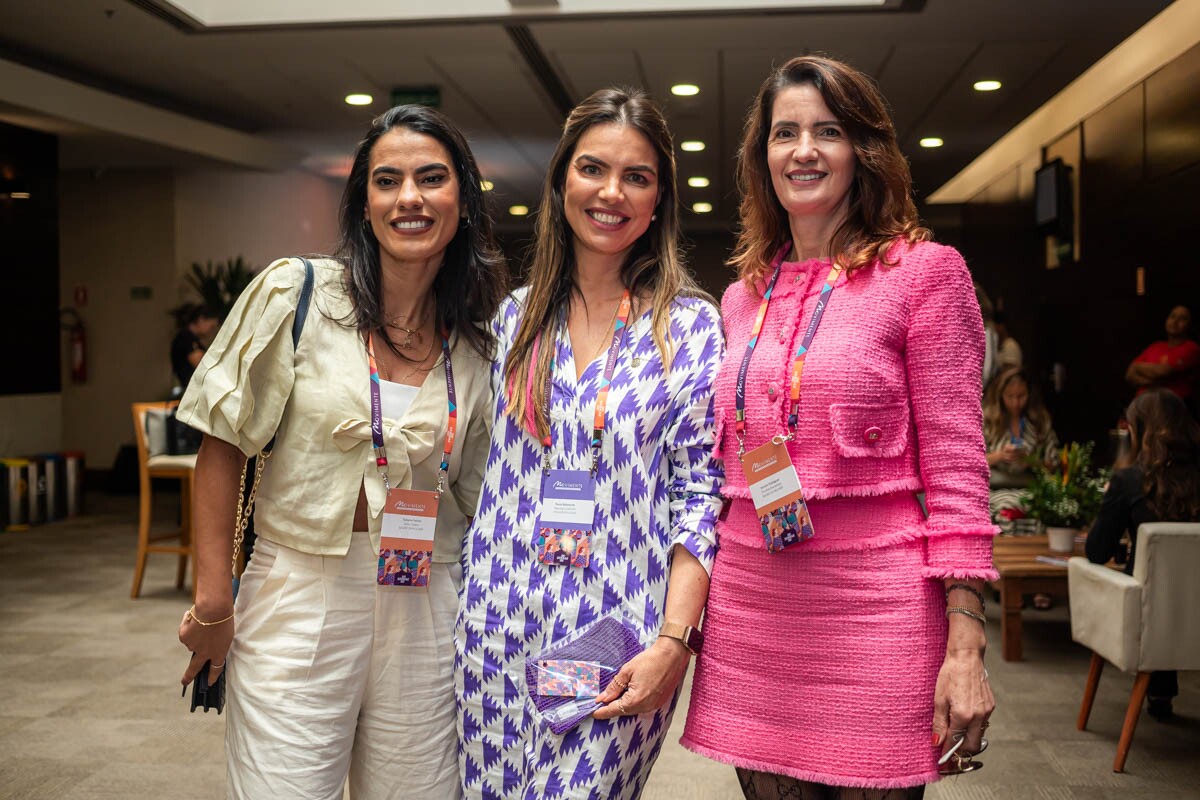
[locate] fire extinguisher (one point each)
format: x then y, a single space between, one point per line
72 323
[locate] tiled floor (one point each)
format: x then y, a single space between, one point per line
92 707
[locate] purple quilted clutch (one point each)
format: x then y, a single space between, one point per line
607 643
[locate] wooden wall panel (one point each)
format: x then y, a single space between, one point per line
1173 116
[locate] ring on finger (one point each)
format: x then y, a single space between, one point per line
621 707
218 666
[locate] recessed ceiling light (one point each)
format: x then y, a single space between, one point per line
487 186
691 146
987 86
697 182
359 99
931 141
518 211
685 90
20 195
702 208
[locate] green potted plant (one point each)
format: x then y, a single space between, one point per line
220 284
1065 496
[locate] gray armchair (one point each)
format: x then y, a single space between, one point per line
1141 623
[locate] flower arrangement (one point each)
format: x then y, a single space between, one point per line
1068 493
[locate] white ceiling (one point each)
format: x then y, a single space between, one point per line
286 83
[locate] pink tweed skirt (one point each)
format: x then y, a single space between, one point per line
821 664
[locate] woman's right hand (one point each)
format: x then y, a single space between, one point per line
206 642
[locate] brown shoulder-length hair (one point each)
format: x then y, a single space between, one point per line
1165 443
653 267
881 210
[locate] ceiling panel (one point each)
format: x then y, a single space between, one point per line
288 83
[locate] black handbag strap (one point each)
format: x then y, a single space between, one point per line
306 293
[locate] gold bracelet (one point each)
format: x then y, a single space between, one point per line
975 615
191 612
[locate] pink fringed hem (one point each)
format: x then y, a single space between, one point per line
862 782
829 492
981 574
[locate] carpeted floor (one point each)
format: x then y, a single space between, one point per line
91 707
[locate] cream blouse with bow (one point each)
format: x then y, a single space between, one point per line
250 386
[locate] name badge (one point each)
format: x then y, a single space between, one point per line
567 515
406 544
777 495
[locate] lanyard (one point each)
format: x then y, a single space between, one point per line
610 365
381 461
801 352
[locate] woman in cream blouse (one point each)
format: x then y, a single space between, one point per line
340 664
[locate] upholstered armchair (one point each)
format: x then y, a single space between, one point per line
1141 623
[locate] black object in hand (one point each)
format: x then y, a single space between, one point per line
208 695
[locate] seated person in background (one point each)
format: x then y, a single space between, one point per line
197 328
1008 351
1015 425
1173 364
1158 482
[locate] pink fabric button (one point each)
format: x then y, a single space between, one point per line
772 390
872 434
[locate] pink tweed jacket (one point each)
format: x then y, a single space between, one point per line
890 400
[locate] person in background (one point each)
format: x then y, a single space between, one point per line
1173 364
337 665
1158 482
198 326
1016 425
848 663
991 340
1008 351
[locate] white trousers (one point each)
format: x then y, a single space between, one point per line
330 674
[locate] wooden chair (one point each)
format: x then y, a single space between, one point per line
181 468
1143 622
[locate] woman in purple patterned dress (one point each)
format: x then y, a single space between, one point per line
606 278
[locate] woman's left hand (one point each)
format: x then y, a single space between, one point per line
962 702
646 682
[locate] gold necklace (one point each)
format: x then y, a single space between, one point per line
413 337
605 339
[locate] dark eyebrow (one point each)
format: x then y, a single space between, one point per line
386 170
787 123
632 168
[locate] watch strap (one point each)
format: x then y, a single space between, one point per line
690 637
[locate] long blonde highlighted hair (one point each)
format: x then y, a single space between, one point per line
653 267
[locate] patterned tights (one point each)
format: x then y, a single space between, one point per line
769 786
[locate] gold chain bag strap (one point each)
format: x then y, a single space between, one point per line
245 504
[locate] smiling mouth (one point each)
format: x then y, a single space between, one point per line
605 218
806 177
412 225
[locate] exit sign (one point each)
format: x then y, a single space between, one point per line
417 96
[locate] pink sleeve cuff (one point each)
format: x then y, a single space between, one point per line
964 554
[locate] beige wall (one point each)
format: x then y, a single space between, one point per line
121 229
116 233
261 217
30 423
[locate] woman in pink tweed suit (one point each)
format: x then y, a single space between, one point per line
844 658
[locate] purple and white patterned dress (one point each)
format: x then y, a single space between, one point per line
657 486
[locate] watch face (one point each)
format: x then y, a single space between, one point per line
695 640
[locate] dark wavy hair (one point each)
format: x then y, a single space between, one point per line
473 278
881 210
1166 445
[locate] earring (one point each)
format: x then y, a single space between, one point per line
653 217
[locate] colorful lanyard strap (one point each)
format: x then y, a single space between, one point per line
801 352
381 461
610 365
